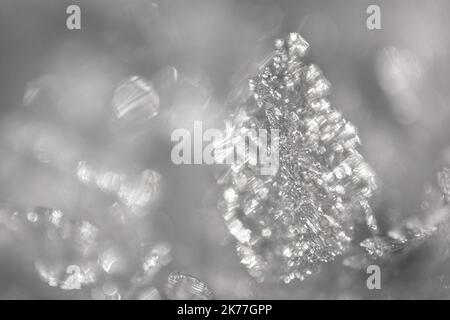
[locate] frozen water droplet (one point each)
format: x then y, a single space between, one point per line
32 216
108 181
136 98
138 192
55 217
181 286
134 191
85 172
159 255
112 261
86 237
297 45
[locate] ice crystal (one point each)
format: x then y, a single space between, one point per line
112 261
72 253
134 191
135 97
181 286
289 222
411 232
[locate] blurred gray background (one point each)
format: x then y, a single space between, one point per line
391 83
